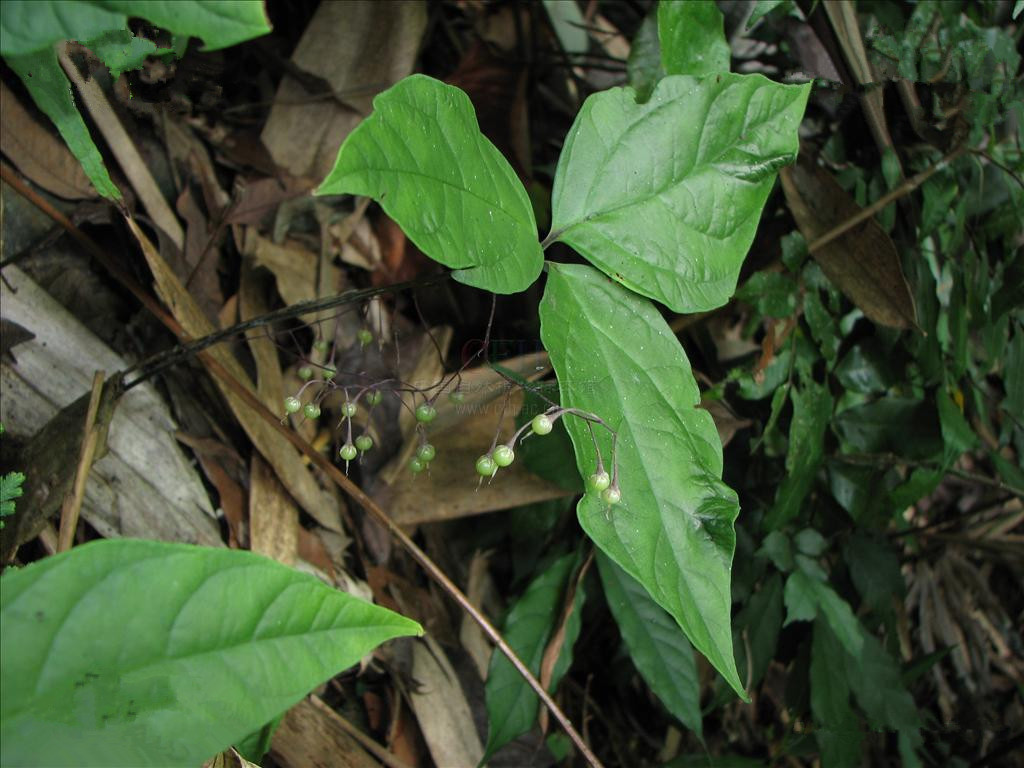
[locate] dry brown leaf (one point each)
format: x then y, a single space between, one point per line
210 453
258 199
38 152
441 708
342 45
294 266
309 737
285 460
273 517
554 647
863 263
726 421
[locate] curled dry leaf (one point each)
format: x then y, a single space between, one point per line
863 263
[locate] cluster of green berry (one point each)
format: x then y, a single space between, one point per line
599 483
311 410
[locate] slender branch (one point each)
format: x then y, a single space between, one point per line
73 503
902 190
159 362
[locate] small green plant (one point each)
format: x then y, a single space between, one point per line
662 198
10 489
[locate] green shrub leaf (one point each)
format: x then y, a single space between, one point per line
134 652
422 157
692 36
663 658
511 703
616 357
807 597
675 224
838 727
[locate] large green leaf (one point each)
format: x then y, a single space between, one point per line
838 727
665 196
616 357
812 407
511 703
134 652
422 157
29 31
692 36
663 658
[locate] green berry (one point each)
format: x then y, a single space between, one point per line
364 336
503 455
305 373
373 397
541 424
311 411
426 452
348 452
485 466
611 496
417 465
328 372
599 481
457 396
348 409
320 346
426 413
364 443
292 404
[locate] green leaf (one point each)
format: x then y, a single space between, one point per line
662 655
778 548
121 51
135 652
1018 7
10 489
875 569
838 732
29 26
692 36
761 619
643 68
956 432
511 703
675 224
422 157
812 409
807 598
772 294
616 357
877 685
49 87
900 425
